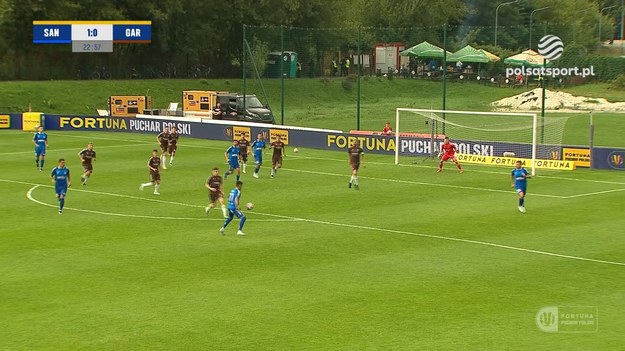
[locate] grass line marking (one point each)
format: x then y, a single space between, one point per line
346 225
30 197
423 183
67 149
472 170
448 238
594 193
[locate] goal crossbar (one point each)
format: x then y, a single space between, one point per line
439 116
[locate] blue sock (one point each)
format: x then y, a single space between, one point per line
242 222
256 169
41 163
238 177
521 201
228 220
61 203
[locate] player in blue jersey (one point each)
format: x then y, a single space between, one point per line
258 146
62 180
234 200
40 140
519 182
232 156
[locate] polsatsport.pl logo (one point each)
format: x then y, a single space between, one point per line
551 47
551 71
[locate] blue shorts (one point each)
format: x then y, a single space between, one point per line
60 190
258 158
235 213
524 190
40 150
233 165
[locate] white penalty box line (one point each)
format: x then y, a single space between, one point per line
564 197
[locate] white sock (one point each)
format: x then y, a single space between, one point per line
156 187
355 180
223 209
244 166
171 159
147 184
352 179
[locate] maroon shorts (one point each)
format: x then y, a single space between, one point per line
154 176
276 160
87 167
172 148
214 196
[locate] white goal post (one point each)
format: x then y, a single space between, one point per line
419 132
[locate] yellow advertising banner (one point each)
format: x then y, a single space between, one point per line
581 157
5 121
239 132
31 120
510 162
284 135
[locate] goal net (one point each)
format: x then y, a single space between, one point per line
420 132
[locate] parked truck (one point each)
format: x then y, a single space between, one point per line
202 103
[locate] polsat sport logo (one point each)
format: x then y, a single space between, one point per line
551 47
616 160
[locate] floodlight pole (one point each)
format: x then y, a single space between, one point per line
601 15
575 26
359 67
622 18
243 65
542 104
497 15
282 74
531 23
444 75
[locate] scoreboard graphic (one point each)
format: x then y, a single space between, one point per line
92 36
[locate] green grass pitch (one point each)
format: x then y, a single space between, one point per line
413 260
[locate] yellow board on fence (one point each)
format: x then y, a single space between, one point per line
5 121
581 157
238 132
510 162
284 135
31 120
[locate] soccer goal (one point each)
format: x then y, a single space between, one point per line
419 133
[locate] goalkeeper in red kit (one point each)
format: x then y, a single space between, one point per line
448 152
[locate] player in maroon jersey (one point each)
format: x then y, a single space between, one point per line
448 151
87 156
172 145
278 153
155 176
356 154
163 140
214 184
243 145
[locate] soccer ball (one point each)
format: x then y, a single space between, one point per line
295 150
249 205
